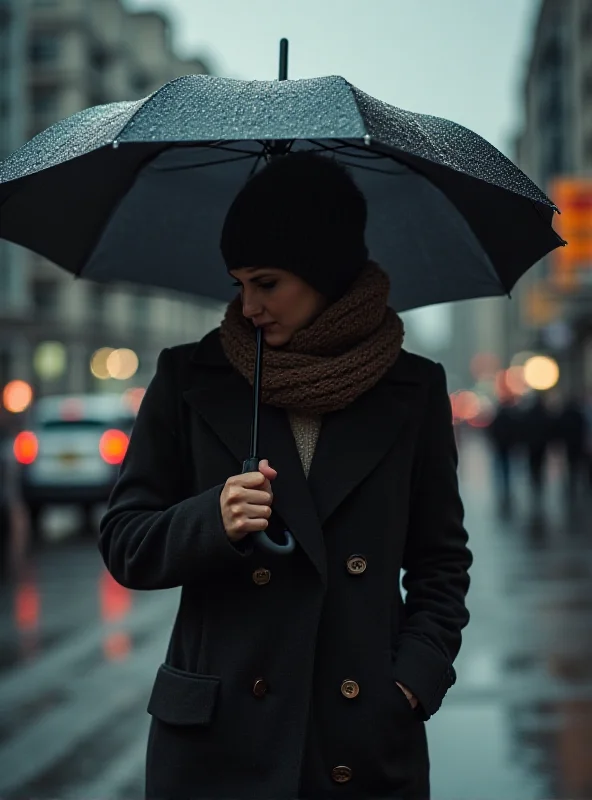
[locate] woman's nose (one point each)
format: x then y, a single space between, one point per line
251 308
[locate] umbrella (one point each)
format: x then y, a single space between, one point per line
137 191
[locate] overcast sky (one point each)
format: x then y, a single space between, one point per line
461 59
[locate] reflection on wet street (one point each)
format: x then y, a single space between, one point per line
518 724
78 654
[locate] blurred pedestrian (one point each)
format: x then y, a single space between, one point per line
504 436
572 434
588 446
290 676
538 428
4 508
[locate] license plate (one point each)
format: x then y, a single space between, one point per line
69 458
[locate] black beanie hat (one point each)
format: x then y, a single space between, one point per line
302 213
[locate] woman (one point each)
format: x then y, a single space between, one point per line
303 675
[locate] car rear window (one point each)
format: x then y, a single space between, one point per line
98 424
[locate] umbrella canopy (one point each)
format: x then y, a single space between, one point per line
137 191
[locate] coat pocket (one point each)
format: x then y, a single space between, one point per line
403 707
182 698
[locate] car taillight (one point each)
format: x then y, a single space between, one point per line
113 446
25 447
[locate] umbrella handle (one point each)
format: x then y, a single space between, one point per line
260 537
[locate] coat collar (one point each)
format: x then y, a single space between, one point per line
351 442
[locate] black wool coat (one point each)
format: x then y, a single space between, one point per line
279 680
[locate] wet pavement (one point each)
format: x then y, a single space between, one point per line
78 654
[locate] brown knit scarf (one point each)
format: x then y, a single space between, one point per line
325 366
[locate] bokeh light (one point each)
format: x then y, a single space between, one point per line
541 373
98 363
515 381
502 390
49 360
113 446
465 406
26 447
122 364
117 646
27 606
133 397
486 413
17 396
484 366
520 359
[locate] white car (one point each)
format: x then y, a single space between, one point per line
72 450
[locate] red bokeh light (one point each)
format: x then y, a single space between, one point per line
113 446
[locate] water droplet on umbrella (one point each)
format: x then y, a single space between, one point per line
200 108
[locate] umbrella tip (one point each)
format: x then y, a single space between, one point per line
284 45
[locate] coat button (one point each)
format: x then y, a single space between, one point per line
261 576
356 564
341 774
259 688
350 689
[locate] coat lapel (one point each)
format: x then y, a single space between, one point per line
352 441
223 398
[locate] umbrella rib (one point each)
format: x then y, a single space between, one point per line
212 163
270 145
349 145
254 167
221 145
217 145
367 157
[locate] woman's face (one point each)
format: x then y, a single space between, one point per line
278 301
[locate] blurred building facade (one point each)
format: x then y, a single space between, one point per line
56 58
478 326
553 312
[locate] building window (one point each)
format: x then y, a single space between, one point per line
99 58
586 26
5 53
552 109
5 361
142 83
587 84
44 48
588 151
140 311
551 55
45 297
45 101
100 299
553 161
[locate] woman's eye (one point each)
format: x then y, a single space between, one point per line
260 284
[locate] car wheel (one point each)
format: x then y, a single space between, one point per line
35 519
4 538
87 518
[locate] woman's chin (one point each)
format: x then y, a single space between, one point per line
275 338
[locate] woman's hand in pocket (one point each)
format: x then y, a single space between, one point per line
413 701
